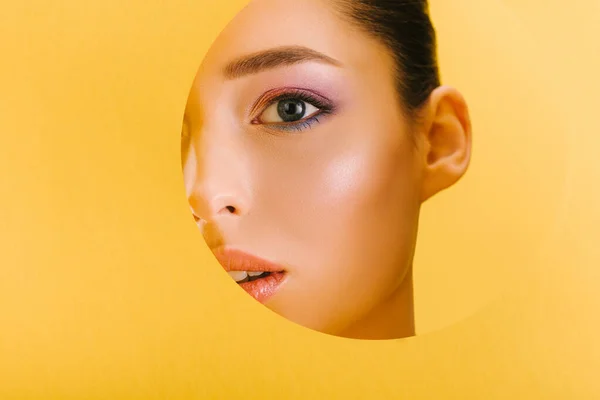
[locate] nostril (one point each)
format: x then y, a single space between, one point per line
231 209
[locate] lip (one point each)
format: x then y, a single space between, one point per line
261 289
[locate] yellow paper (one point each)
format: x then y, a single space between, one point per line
107 290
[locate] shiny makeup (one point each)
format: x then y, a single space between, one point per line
260 278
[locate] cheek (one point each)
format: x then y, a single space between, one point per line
351 205
354 233
359 181
367 204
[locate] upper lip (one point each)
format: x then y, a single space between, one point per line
238 260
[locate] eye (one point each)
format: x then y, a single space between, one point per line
287 110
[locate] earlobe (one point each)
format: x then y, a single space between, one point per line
447 141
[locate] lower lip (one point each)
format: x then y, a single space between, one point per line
264 288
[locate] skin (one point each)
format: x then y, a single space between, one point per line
336 202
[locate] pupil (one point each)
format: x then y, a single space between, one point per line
291 110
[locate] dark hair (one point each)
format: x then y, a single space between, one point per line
406 28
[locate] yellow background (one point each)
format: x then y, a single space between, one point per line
107 290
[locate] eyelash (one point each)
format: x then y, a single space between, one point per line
325 108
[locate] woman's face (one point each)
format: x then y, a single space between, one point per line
296 151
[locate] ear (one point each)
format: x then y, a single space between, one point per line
447 140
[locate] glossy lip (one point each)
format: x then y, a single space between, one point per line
261 289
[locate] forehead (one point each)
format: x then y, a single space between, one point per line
315 24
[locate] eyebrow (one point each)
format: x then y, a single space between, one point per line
272 58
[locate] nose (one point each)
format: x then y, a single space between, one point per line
217 207
216 177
